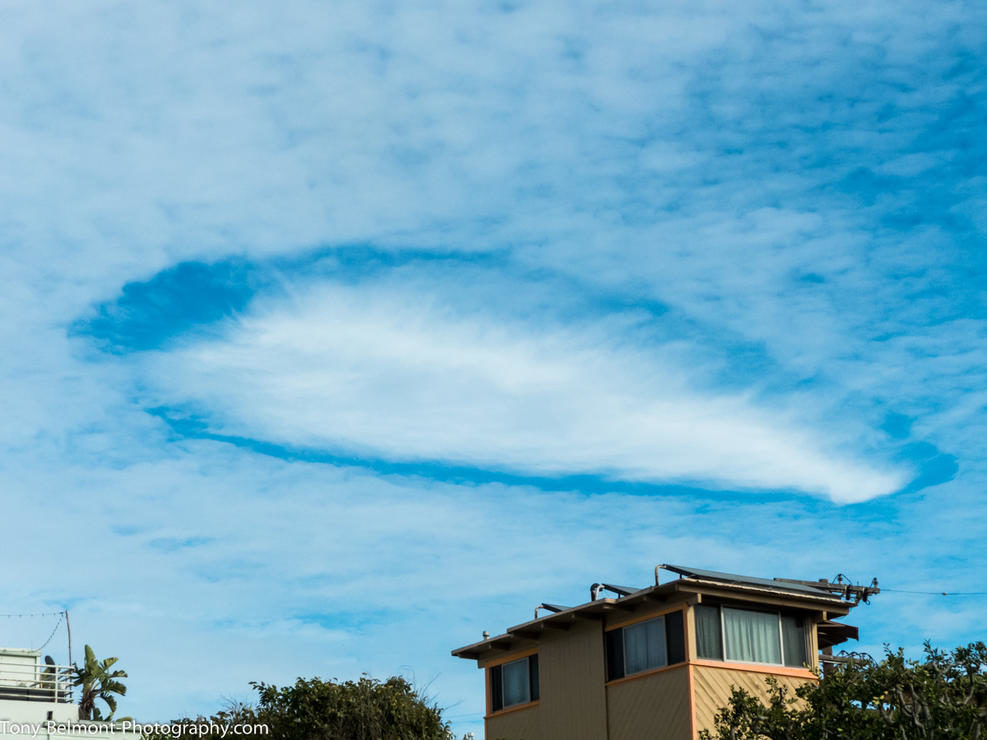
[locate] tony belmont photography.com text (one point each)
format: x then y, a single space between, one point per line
159 729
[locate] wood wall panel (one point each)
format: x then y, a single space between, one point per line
654 707
712 687
572 687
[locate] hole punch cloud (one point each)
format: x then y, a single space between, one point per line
372 370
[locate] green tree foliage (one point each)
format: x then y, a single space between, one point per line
313 709
366 709
941 696
98 683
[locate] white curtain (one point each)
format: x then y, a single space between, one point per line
644 646
515 680
751 637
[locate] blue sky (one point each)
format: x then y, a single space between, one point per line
338 333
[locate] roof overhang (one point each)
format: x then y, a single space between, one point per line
682 590
836 633
831 605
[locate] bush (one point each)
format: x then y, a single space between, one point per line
366 709
942 696
313 709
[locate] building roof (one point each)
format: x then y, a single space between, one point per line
776 584
692 581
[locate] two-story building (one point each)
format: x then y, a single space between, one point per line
656 662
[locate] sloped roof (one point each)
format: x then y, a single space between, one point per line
775 584
692 581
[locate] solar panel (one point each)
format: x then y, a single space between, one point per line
712 575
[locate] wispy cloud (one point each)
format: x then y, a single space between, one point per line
405 376
736 246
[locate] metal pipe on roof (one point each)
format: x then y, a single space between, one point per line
554 608
621 591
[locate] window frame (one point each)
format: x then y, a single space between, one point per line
726 646
673 632
779 614
497 703
640 625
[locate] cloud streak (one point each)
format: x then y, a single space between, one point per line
396 374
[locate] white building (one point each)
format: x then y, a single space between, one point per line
38 700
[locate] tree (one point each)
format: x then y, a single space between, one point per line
98 683
313 709
941 696
366 709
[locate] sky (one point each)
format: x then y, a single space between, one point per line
337 333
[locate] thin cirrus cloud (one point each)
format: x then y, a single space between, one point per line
778 209
396 375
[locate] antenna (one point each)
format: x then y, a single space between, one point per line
68 629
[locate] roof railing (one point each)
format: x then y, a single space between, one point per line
24 681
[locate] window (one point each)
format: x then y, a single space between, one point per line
645 645
709 635
793 640
514 683
751 636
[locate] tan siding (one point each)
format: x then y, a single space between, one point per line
712 688
572 683
521 724
691 652
814 644
654 707
573 699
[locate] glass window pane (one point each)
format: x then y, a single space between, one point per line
675 637
515 680
497 687
752 637
644 646
793 638
709 641
615 654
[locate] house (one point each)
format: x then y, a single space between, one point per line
657 662
38 700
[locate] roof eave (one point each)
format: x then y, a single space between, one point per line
821 602
533 628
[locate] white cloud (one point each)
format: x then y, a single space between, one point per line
373 370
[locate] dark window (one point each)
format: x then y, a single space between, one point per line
709 638
497 688
514 683
645 645
793 640
675 635
533 676
615 654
